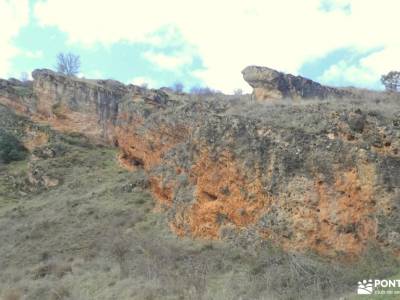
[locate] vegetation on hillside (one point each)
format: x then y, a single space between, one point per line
391 81
11 149
97 235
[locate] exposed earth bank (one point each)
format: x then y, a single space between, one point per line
320 176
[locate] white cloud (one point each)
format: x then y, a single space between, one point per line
92 74
33 54
169 62
384 61
93 21
367 72
231 34
13 15
345 72
150 83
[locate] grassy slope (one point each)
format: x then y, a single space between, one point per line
71 223
97 236
74 238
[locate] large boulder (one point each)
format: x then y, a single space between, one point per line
269 84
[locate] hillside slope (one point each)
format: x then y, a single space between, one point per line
75 225
312 175
308 177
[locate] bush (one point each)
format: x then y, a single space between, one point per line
11 149
77 139
206 91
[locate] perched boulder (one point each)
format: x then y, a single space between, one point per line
269 84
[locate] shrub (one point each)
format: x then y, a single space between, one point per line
11 149
206 91
77 139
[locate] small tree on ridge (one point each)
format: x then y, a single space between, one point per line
391 81
68 63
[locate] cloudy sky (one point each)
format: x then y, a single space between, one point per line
207 42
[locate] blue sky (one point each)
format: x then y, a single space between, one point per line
336 42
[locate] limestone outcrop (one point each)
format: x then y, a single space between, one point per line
89 106
316 177
269 84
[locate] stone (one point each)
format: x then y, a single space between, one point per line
269 84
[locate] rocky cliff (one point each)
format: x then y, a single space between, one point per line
315 176
269 84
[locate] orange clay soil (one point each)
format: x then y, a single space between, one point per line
147 149
340 222
220 198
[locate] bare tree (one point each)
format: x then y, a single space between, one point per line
68 63
391 81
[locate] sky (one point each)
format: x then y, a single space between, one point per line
204 43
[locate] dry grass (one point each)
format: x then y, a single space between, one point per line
12 294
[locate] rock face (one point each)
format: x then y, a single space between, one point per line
88 106
315 177
269 84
